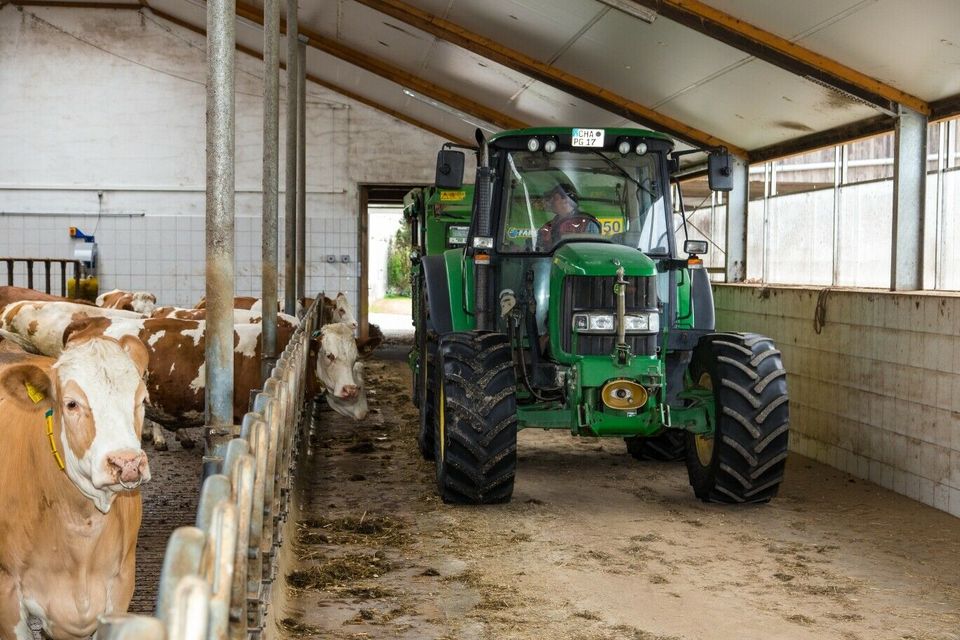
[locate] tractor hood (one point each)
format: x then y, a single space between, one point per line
600 259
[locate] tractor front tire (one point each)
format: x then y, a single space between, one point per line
744 459
669 446
475 437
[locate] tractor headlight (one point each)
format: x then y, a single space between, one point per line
607 322
642 322
533 145
599 322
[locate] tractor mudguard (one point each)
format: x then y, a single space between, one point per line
702 293
439 318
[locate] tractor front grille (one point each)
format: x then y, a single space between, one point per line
595 293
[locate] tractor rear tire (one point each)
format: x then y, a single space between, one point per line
744 460
475 433
669 446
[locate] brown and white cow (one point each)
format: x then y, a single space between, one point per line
340 372
240 316
39 326
176 370
9 295
140 301
70 510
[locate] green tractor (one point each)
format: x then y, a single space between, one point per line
570 306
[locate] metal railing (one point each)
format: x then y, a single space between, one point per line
47 263
217 577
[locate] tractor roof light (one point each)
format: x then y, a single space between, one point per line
533 145
550 145
641 148
623 147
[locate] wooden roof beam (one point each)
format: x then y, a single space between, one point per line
782 53
388 71
569 83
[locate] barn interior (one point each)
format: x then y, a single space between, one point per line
193 148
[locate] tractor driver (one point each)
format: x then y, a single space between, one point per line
563 201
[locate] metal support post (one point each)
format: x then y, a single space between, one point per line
221 43
909 194
290 220
737 199
301 167
271 168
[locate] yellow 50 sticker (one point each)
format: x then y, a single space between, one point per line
610 226
452 196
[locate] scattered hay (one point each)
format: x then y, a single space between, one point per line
298 629
646 537
520 537
658 579
586 615
799 618
368 592
845 617
337 572
367 530
783 577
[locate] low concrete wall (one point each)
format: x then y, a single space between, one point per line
876 393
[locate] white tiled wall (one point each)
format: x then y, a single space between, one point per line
877 392
113 103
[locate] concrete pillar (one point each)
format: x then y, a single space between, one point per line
909 195
290 211
737 199
221 43
271 168
301 229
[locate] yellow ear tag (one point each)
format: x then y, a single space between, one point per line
35 394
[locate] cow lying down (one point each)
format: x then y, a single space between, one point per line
70 468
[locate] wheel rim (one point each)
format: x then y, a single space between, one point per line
704 444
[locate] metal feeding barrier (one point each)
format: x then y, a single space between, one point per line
30 263
217 576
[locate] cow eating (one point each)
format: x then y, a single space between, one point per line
340 372
69 509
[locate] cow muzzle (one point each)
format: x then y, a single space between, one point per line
129 468
349 391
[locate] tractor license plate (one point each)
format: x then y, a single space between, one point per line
588 138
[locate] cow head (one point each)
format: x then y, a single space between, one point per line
338 310
96 393
143 302
339 371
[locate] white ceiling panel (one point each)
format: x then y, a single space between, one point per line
643 62
914 46
790 19
758 105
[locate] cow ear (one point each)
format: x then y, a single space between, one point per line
84 329
137 352
27 385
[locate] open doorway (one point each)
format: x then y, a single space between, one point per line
385 276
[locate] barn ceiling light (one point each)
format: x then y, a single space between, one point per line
631 8
486 126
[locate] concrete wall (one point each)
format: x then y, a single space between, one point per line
877 392
113 103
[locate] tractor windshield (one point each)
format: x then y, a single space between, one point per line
583 195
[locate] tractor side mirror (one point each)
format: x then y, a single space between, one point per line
449 169
720 171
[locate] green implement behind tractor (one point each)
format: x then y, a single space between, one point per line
561 301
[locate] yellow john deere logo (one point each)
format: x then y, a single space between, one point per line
452 196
